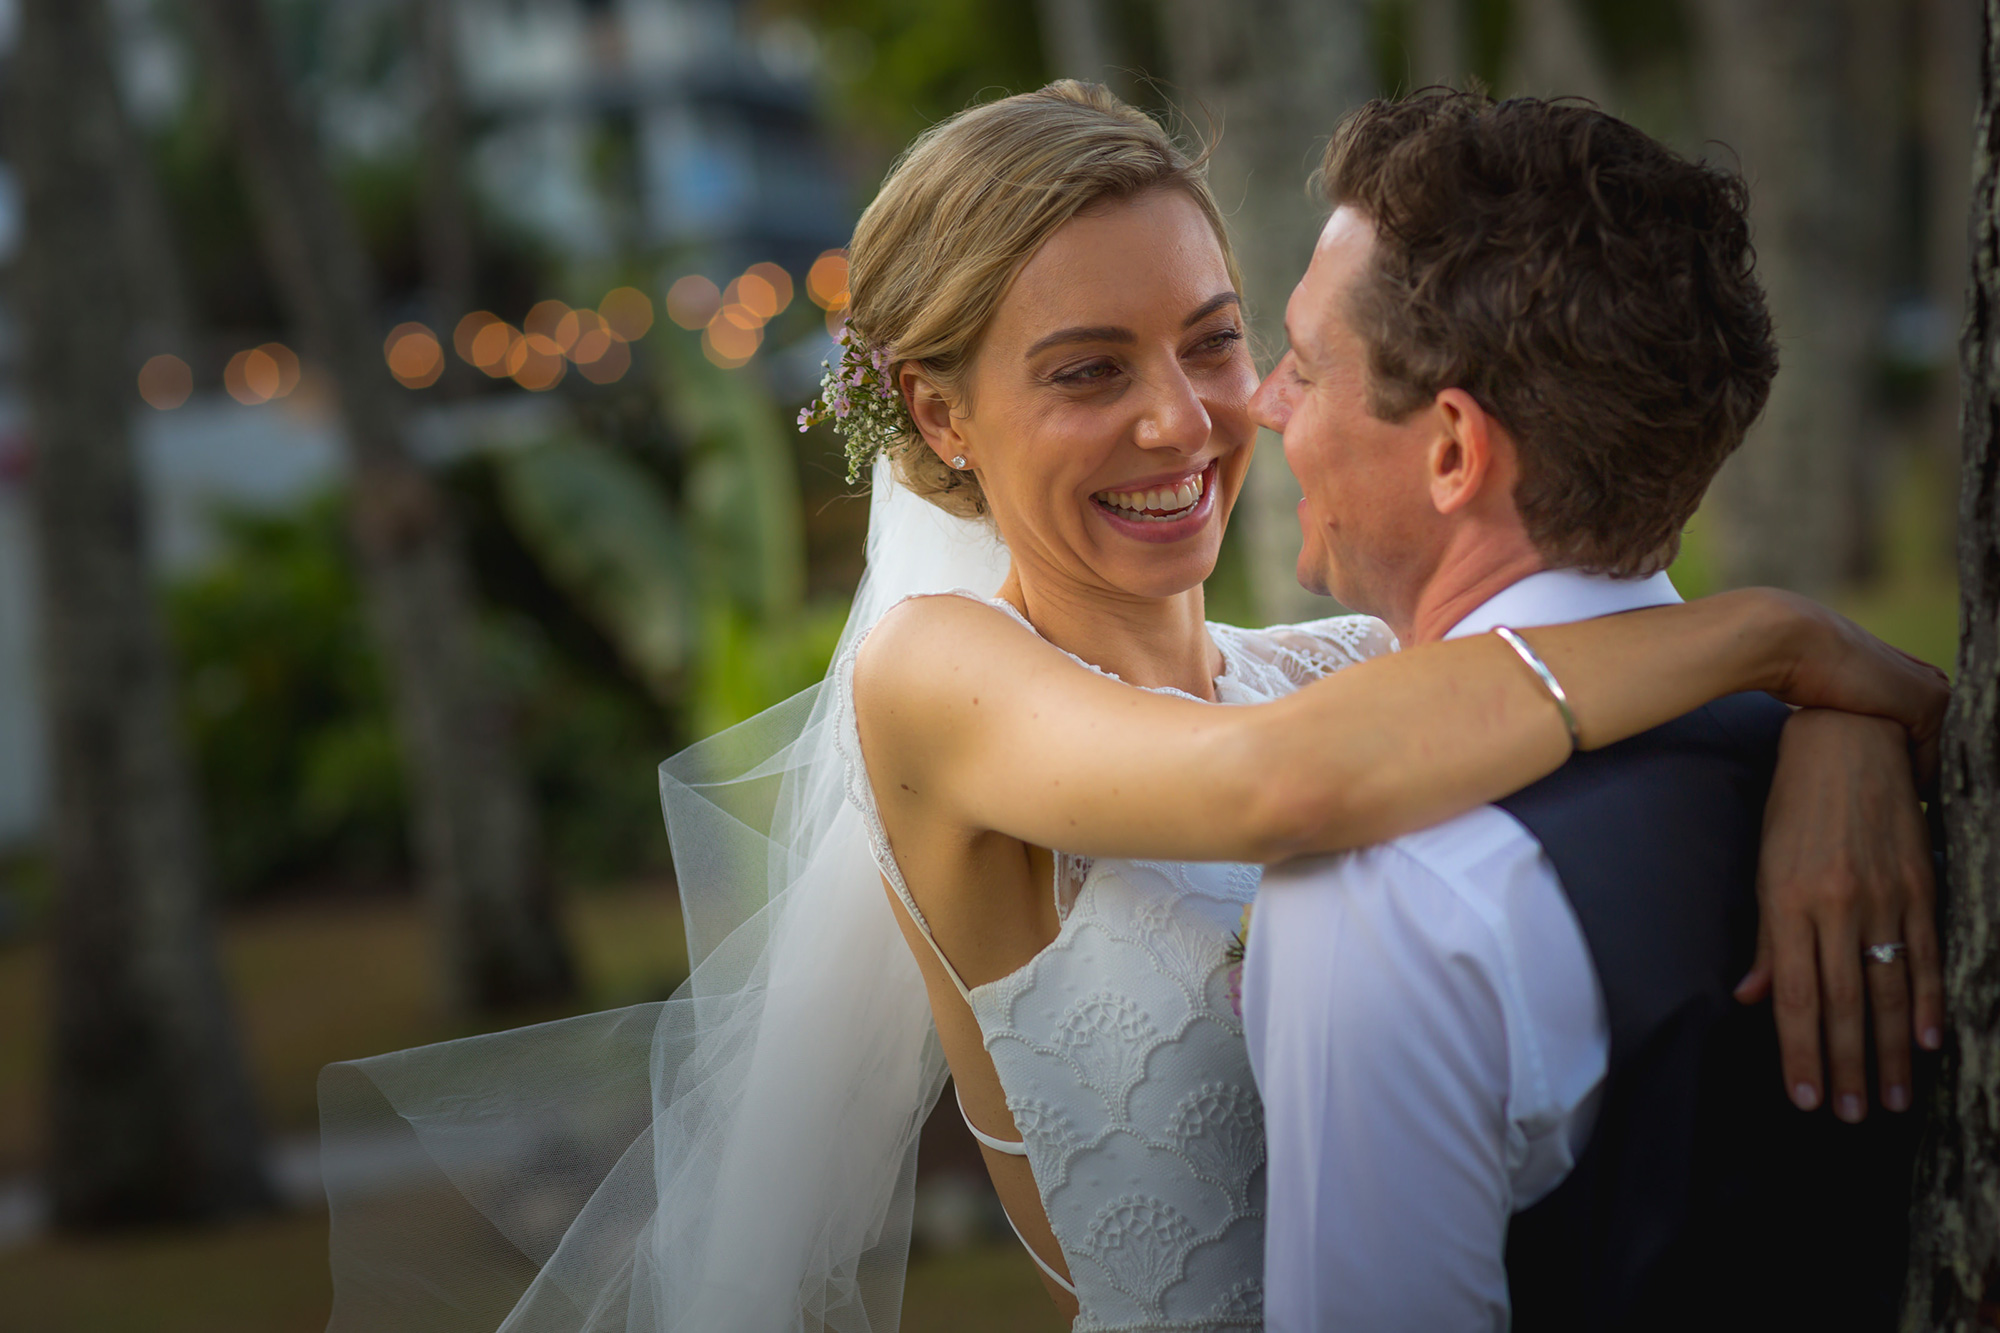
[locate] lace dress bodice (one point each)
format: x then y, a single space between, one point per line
1119 1050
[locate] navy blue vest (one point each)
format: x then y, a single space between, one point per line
1704 1200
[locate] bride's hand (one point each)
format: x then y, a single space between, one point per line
1836 664
1846 863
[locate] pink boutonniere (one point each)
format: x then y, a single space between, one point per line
1234 953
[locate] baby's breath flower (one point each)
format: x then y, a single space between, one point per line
857 395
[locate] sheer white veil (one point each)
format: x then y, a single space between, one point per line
740 1158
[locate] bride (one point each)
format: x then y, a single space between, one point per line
1010 836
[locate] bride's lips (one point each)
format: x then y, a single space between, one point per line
1164 519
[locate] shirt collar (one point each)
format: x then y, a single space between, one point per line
1557 596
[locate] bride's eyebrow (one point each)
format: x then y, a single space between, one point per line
1111 333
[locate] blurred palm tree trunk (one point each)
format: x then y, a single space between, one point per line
1276 76
447 216
1947 88
151 1115
1556 55
1078 41
1438 44
1954 1281
477 836
1802 90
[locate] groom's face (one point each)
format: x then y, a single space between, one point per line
1371 533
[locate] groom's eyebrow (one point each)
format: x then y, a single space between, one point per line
1111 333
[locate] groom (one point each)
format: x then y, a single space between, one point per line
1502 1072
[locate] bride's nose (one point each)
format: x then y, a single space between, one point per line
1175 417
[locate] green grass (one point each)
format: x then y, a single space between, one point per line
324 982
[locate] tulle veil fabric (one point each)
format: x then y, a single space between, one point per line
740 1158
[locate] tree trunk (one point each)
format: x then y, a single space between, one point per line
1947 90
1556 55
476 834
1275 76
447 219
1955 1243
1437 46
1802 90
151 1115
1077 41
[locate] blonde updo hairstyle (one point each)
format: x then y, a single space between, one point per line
966 206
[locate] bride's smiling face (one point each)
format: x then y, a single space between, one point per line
1107 410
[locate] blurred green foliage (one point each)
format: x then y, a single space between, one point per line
293 740
900 65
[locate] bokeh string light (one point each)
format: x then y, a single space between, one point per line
692 302
628 311
414 356
259 374
826 286
165 382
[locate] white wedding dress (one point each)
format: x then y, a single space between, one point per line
742 1157
1120 1051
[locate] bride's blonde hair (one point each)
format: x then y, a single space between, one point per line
967 205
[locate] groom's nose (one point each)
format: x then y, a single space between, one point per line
1271 405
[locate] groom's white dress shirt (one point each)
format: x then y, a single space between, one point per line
1428 1034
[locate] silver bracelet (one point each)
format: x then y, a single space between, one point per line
1549 681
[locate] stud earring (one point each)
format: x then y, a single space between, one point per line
958 460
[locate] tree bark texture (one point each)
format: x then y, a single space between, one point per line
1078 41
1274 77
1954 1284
447 217
1437 43
1803 91
151 1114
477 835
1556 55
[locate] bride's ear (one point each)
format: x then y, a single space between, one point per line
931 411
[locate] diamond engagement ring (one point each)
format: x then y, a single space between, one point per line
1885 953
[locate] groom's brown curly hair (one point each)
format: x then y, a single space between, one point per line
1591 288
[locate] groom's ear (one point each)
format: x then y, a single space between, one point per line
1470 453
931 411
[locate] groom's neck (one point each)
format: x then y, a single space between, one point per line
1477 565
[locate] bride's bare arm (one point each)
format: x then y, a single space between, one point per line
966 713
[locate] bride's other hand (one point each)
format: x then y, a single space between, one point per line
1836 664
1846 864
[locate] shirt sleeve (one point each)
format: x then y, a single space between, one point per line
1374 1000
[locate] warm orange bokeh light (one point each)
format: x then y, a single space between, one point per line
628 311
536 363
693 301
754 294
608 365
826 282
583 336
165 382
729 342
466 335
835 318
414 356
781 282
491 347
545 320
252 377
287 362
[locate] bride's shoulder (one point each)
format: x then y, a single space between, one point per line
933 639
1311 648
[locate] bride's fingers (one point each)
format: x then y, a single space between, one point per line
1844 1021
1795 1005
1756 983
1926 969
